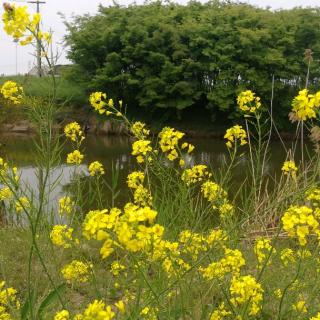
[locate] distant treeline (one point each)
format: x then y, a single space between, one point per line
197 56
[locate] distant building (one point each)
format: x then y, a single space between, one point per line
45 70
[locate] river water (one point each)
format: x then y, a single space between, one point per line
115 151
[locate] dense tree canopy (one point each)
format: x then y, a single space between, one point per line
166 55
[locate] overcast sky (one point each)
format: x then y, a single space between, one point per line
22 58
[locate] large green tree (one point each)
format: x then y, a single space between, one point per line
165 55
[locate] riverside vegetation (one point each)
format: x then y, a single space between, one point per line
190 61
184 246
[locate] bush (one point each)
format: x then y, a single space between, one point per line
174 57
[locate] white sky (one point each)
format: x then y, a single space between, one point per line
9 53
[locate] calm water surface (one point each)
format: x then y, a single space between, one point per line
115 151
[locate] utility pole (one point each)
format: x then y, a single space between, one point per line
39 71
16 43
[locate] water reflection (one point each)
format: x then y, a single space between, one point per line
115 152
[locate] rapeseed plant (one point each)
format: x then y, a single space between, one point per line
125 263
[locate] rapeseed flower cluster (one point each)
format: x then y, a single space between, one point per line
8 301
217 197
235 134
7 172
138 129
98 101
263 250
142 196
305 105
212 192
96 169
23 26
246 289
300 222
313 195
248 102
97 310
12 92
300 306
149 313
61 236
19 24
289 168
5 193
117 268
169 142
76 271
135 179
66 206
196 174
287 256
231 263
22 203
74 132
62 315
220 313
317 317
226 209
75 157
192 243
141 149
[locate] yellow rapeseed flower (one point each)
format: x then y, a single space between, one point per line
140 149
138 130
96 169
62 315
75 157
212 191
196 174
169 142
76 271
231 263
142 196
120 306
5 193
117 268
246 289
21 204
262 249
287 256
220 313
8 301
289 168
300 222
317 317
20 24
73 132
248 102
98 310
235 134
313 195
135 179
305 105
12 92
61 236
98 101
300 306
66 205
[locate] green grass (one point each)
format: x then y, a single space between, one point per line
68 92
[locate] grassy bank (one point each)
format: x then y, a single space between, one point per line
68 92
